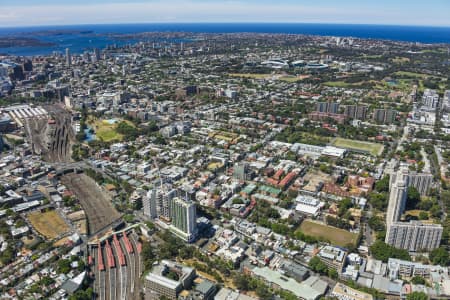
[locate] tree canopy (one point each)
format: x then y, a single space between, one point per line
440 256
383 252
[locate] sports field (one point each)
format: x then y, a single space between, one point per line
336 236
49 224
372 148
289 78
250 75
411 74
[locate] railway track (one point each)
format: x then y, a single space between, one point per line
99 210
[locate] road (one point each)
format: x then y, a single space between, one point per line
442 169
367 230
427 167
81 165
403 138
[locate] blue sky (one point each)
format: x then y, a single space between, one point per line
64 12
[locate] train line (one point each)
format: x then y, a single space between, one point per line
116 265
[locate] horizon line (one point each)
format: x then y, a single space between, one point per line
228 23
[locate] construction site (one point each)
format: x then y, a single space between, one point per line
116 264
96 203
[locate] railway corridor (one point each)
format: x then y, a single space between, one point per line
116 266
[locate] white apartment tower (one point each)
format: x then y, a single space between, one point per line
184 219
414 235
156 203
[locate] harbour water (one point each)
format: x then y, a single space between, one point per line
85 37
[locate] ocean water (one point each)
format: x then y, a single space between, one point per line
81 42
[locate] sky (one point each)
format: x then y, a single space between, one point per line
15 13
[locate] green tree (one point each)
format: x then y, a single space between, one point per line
413 198
382 185
382 251
344 205
377 223
417 296
263 292
417 280
317 265
423 215
378 200
332 273
83 295
440 256
64 266
436 211
148 255
46 281
241 281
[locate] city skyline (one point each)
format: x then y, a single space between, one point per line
51 12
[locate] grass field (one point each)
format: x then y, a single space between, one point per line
250 75
343 84
372 148
49 224
340 84
336 236
371 56
293 78
106 131
285 78
412 74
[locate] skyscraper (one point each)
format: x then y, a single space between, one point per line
156 204
241 171
397 199
68 57
184 219
149 204
97 54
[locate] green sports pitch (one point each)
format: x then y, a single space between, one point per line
359 146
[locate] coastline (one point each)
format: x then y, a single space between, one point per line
81 37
